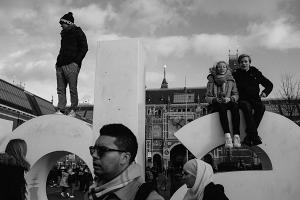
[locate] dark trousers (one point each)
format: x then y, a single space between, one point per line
66 76
253 113
234 109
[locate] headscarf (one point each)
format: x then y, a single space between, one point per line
203 173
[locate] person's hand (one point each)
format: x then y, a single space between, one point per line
217 100
263 95
226 99
72 68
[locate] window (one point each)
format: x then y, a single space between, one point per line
184 98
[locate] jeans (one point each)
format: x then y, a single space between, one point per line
252 119
67 75
222 109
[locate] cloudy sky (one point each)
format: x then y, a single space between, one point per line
189 36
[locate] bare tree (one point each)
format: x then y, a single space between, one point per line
290 93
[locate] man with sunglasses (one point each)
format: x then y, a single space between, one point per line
117 176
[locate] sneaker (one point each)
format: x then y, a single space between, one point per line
248 141
256 140
228 141
236 141
72 113
58 112
72 196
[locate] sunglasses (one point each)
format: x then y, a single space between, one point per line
101 150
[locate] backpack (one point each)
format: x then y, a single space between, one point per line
144 190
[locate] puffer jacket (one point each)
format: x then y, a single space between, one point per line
213 90
12 181
73 47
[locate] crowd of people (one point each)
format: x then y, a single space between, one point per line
70 178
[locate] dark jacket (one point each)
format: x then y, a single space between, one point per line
214 192
73 47
248 84
12 181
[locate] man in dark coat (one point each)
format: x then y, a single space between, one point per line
72 51
248 78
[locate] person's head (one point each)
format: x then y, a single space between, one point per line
67 21
244 61
17 148
197 173
114 150
221 67
190 173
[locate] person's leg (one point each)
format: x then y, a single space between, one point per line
61 89
222 109
259 110
251 128
235 119
72 77
246 107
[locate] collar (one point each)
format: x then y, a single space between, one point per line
97 190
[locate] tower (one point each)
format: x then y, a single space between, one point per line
164 83
233 60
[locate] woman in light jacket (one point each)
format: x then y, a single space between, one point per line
222 95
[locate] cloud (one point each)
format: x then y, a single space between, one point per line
214 45
144 17
93 17
278 34
175 45
253 9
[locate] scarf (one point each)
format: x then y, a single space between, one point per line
220 79
203 172
97 190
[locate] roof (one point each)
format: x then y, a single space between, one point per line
20 99
166 95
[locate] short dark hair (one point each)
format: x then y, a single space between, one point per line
125 139
243 56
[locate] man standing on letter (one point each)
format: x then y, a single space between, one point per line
72 51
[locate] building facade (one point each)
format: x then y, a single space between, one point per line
18 105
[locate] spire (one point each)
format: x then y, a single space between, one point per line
232 62
164 83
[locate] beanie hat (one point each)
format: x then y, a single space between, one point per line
67 19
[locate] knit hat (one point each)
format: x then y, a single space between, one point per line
67 19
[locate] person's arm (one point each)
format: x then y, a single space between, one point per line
234 93
266 83
209 97
83 46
